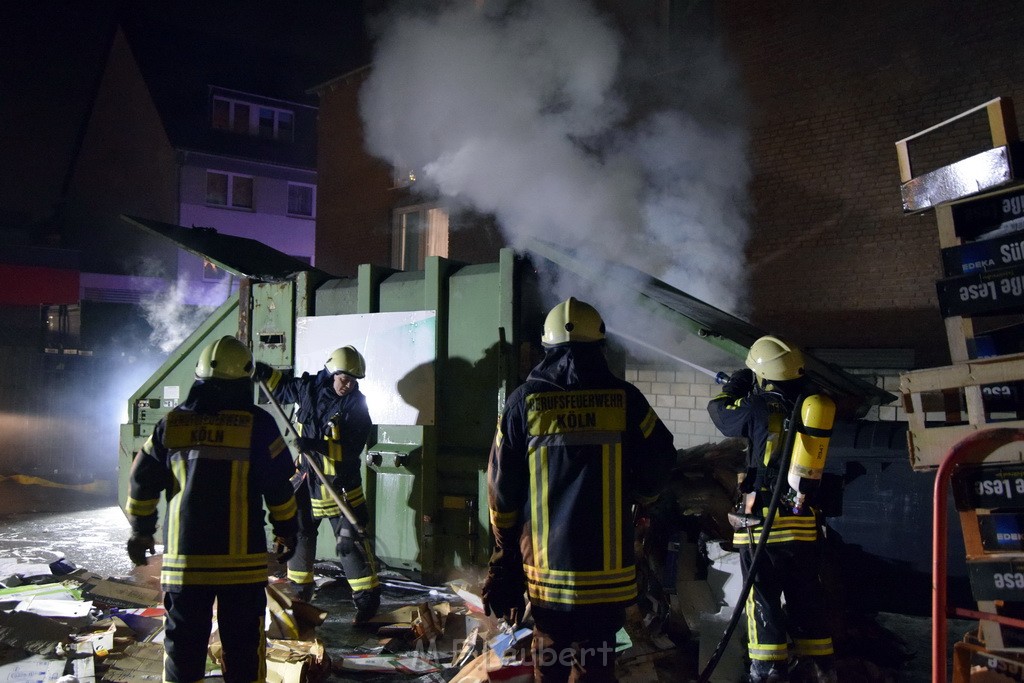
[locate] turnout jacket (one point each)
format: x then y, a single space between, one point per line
217 457
574 448
343 422
761 418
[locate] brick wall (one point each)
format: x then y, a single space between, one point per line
834 261
354 195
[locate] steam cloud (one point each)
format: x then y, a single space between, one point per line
534 112
178 310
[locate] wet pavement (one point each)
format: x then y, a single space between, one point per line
86 528
42 524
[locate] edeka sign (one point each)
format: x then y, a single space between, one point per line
990 291
1001 531
992 254
975 218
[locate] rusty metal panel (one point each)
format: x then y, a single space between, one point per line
273 322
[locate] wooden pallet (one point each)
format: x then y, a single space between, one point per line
945 405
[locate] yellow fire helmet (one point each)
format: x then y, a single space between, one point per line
572 321
347 360
226 358
774 360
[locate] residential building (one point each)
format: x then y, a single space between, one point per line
184 127
204 141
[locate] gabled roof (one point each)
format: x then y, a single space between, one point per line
180 65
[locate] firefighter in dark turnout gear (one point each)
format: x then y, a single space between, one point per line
756 403
218 458
334 424
575 448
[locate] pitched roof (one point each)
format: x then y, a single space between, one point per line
181 64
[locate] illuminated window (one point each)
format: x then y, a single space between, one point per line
228 189
418 232
402 176
301 199
250 119
62 326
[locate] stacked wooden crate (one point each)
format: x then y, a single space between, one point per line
978 204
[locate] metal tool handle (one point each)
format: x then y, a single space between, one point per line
345 509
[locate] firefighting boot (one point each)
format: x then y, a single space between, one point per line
767 672
301 591
367 603
814 670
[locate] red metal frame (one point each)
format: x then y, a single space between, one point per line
973 448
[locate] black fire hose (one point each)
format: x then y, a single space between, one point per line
766 527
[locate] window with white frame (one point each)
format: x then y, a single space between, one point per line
418 232
248 118
228 189
301 199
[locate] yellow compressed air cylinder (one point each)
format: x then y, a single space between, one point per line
810 447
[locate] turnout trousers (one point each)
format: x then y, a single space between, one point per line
187 625
570 646
789 569
355 555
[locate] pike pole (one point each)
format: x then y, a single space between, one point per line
345 509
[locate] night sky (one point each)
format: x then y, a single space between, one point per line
53 52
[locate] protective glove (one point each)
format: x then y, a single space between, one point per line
307 445
503 594
138 544
284 548
740 383
262 372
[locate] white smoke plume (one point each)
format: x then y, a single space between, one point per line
176 311
543 114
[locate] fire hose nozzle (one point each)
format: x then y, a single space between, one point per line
721 378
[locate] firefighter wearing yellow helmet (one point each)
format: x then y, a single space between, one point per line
218 460
576 447
758 403
334 423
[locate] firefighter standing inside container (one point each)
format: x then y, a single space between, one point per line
334 424
757 403
575 448
219 458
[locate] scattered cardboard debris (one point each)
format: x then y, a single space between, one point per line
34 668
114 593
289 618
32 632
101 630
138 663
404 664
